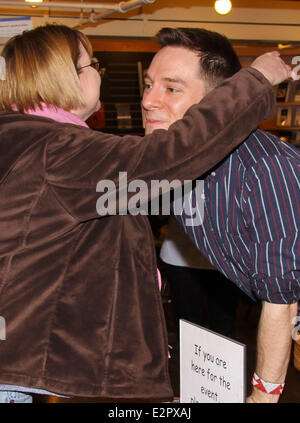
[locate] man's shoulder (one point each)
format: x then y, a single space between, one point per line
260 146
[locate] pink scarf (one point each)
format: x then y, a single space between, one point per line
57 114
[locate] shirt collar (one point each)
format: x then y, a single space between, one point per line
57 114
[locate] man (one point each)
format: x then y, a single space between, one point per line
251 208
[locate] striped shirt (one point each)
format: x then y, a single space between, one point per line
249 229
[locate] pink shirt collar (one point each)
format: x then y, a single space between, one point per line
57 114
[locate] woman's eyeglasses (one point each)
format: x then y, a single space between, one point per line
96 65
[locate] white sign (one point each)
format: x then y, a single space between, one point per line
212 367
10 27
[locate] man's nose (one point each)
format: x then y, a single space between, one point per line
152 99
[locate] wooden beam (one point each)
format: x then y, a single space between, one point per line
149 45
124 44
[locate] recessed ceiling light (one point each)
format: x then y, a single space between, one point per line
223 6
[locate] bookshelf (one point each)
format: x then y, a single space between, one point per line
286 122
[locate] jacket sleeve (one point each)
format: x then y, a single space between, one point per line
80 162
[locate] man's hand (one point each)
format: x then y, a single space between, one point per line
272 67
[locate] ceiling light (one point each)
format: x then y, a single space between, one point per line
223 6
34 1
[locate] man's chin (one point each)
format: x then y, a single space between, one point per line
149 129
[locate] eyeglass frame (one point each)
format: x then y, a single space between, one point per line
93 63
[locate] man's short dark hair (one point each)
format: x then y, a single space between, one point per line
218 60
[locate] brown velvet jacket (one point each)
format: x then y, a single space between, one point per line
79 292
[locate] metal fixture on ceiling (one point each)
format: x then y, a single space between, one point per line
98 10
122 7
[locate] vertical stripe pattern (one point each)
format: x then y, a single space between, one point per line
250 230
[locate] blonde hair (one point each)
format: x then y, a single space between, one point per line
41 68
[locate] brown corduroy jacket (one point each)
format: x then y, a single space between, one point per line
79 292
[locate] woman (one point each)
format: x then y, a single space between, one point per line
79 292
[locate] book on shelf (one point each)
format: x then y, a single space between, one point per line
288 91
284 116
296 120
296 140
292 92
282 91
296 91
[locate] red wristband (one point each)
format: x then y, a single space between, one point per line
267 387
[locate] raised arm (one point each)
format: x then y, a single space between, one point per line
208 132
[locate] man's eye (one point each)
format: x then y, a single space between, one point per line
147 86
172 90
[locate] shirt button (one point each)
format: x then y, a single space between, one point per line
213 173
